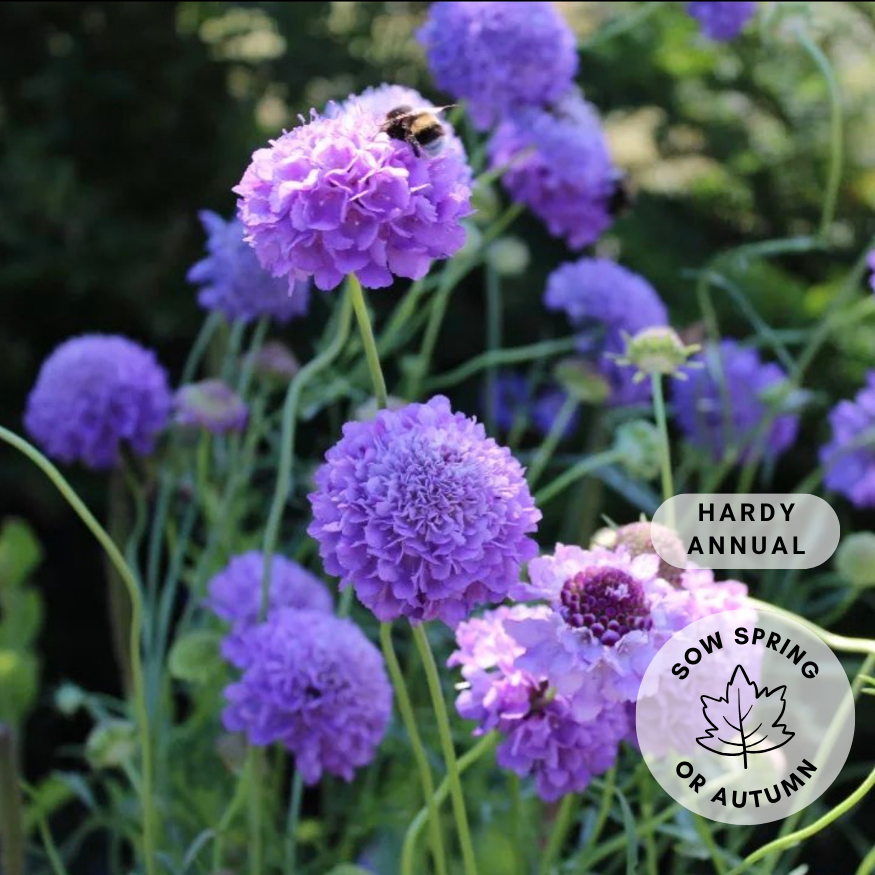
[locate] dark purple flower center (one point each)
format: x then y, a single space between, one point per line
606 601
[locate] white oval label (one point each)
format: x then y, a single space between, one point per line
745 717
769 530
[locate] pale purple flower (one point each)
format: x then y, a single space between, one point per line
233 283
499 56
422 514
556 162
722 20
871 262
335 196
95 394
235 596
849 457
605 301
315 684
514 398
725 403
541 736
212 405
610 614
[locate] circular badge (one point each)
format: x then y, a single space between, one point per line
745 717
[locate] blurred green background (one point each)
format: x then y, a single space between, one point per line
119 121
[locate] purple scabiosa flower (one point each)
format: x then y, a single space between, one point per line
95 393
235 596
610 614
604 301
556 161
337 196
542 738
546 407
724 403
498 56
422 514
849 457
871 261
314 683
210 404
722 21
233 283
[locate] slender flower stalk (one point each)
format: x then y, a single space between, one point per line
561 824
11 820
665 447
449 751
367 335
150 814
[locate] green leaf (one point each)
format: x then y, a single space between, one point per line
348 869
20 553
194 658
47 797
19 681
22 618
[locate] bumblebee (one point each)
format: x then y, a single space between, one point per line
420 128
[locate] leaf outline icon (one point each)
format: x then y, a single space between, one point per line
742 695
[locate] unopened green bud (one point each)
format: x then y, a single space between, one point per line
276 362
69 699
637 443
855 559
581 380
659 351
110 744
508 256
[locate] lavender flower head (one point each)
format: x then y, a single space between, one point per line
233 283
498 56
314 683
336 196
605 300
95 393
541 736
849 457
724 403
210 404
722 21
871 262
235 596
610 614
557 163
422 513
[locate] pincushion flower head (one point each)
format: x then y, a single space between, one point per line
605 302
541 736
337 196
212 405
235 596
610 614
422 514
95 394
720 20
726 402
314 683
499 56
233 283
849 456
556 162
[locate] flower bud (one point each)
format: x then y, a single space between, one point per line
657 350
110 744
855 559
69 699
582 380
508 256
212 405
275 361
637 443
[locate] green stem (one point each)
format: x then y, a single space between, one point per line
49 846
443 725
650 855
664 446
493 341
432 331
551 441
867 866
11 820
367 335
621 25
294 816
255 768
150 826
558 834
498 357
704 830
603 812
574 473
119 527
409 718
834 179
228 816
408 851
617 844
794 838
287 440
